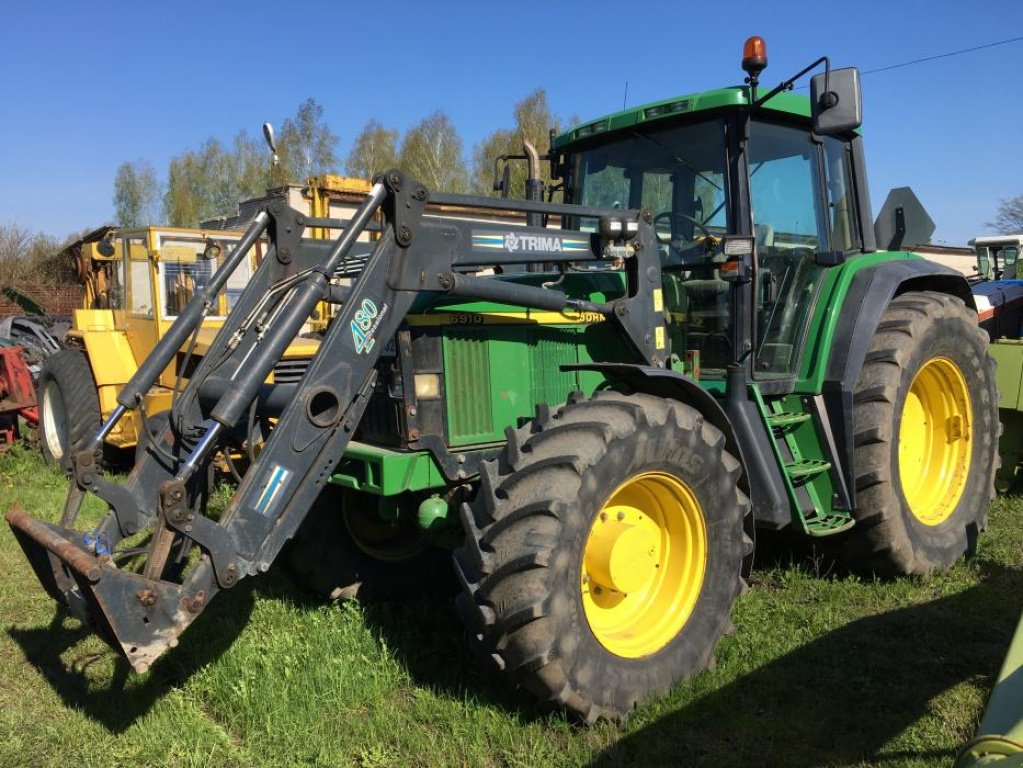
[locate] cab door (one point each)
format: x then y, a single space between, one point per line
790 227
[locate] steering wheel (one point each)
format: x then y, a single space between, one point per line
668 217
681 252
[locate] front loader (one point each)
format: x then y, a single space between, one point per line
593 411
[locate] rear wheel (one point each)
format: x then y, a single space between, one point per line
926 429
68 406
604 551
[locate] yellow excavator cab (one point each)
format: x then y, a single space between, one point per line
136 282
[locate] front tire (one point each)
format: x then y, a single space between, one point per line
604 552
68 406
926 437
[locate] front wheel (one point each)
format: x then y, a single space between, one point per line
68 406
604 552
343 549
926 437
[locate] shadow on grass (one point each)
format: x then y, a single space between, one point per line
427 638
782 549
840 698
66 651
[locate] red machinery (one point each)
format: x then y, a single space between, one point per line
17 394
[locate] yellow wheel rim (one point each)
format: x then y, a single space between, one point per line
381 540
643 564
935 441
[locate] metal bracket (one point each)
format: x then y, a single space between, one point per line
457 466
211 536
286 227
900 229
88 478
404 206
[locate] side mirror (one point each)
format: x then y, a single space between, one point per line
268 134
835 101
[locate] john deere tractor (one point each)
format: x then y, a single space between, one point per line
593 411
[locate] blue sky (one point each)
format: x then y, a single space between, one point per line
86 86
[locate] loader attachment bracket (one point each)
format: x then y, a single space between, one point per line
123 505
142 617
213 538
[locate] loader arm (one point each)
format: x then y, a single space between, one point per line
142 602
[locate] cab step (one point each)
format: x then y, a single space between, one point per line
786 421
833 522
801 471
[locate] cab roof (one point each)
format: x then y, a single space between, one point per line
722 98
1016 239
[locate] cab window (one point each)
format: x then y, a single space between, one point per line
842 216
140 287
184 270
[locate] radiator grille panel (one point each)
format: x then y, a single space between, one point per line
290 371
467 380
552 349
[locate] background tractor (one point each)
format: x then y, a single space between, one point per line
136 282
595 411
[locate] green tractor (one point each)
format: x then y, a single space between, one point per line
594 410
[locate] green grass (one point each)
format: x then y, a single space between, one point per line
825 669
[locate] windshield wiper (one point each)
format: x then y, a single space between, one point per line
678 159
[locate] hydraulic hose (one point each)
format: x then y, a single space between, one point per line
235 402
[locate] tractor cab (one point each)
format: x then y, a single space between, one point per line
138 280
136 283
157 270
998 256
722 164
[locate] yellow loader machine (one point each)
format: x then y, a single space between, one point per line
136 283
593 411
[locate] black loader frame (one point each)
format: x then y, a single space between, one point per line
143 613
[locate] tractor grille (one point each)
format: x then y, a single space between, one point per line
468 384
291 371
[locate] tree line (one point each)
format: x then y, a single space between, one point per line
1008 216
212 178
29 258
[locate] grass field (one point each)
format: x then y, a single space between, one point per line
825 669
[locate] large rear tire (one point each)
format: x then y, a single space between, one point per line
926 437
68 406
604 552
